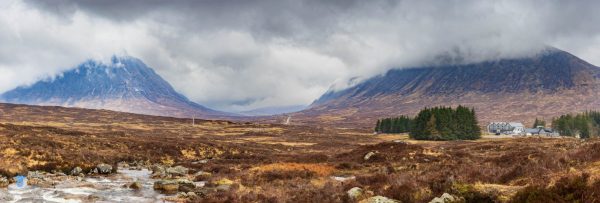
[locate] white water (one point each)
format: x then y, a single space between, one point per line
92 189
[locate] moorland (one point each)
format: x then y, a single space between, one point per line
268 162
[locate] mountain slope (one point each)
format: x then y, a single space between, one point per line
126 84
549 84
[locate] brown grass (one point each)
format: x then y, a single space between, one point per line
274 163
317 169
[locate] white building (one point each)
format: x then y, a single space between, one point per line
510 128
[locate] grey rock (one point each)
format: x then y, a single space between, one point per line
203 161
104 168
171 186
445 198
355 193
135 185
369 155
223 187
3 182
76 171
166 186
182 195
158 171
177 171
379 199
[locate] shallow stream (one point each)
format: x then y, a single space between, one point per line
89 189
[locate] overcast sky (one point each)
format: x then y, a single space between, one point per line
240 55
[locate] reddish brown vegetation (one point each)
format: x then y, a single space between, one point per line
276 163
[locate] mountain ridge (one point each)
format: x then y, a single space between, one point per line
546 85
125 84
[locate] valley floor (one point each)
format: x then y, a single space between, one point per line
247 162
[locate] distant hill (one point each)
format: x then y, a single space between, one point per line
550 84
267 111
126 84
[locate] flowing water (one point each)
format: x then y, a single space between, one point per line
90 189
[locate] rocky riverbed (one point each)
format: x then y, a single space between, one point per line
135 184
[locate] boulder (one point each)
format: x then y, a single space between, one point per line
200 162
369 155
177 171
379 199
104 168
76 171
172 186
185 185
168 186
3 182
135 185
158 171
445 198
355 193
186 195
93 198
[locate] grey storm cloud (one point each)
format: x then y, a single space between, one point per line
245 54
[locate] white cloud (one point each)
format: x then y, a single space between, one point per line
242 55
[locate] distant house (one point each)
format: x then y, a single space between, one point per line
509 128
541 131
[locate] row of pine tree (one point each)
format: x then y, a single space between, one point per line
585 124
401 124
438 123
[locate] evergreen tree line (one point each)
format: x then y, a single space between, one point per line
445 123
585 124
401 124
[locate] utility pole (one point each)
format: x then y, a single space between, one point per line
194 120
